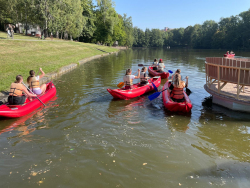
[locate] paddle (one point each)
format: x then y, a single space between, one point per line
155 95
33 93
120 85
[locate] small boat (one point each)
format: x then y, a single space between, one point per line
229 55
137 91
155 73
15 111
172 106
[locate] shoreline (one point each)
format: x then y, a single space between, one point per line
65 69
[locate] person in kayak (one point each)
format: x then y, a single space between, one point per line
161 66
16 96
33 82
144 76
178 71
155 64
176 93
128 78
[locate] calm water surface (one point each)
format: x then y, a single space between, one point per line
85 138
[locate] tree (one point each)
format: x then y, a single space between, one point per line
128 26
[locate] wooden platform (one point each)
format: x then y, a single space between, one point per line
231 90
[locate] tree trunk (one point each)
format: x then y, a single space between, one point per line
71 37
57 34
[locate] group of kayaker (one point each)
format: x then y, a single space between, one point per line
176 87
17 88
159 67
128 78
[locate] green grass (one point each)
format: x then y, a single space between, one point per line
19 57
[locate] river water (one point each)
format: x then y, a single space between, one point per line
85 138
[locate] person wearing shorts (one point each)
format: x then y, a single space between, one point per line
33 82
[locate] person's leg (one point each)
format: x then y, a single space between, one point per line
43 88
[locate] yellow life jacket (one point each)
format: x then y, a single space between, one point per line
33 83
16 89
127 80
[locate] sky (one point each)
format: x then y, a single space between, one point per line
178 13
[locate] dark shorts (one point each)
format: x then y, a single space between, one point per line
154 68
129 87
144 83
16 100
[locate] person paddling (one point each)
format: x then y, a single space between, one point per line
178 71
16 96
144 76
161 66
33 82
128 78
155 64
177 94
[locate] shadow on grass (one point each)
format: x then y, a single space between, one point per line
2 38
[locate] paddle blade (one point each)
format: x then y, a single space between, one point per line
154 86
120 85
154 96
170 71
188 91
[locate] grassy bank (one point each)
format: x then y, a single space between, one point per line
20 56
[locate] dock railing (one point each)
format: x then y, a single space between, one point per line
228 70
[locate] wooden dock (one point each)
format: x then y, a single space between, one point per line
228 80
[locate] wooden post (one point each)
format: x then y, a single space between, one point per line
238 85
218 72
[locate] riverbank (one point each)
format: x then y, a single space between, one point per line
56 58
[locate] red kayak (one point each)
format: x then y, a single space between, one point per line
172 106
15 111
137 91
155 73
229 55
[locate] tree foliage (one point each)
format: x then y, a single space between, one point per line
229 33
71 18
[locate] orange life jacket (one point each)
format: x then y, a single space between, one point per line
16 89
177 93
33 83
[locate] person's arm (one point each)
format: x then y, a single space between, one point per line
28 93
138 76
186 81
42 73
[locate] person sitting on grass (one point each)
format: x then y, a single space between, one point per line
155 64
16 96
128 78
161 66
176 93
33 82
144 76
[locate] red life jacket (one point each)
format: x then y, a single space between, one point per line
177 93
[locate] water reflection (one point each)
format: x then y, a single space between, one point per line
26 124
178 122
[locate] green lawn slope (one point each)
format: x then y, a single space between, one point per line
26 53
